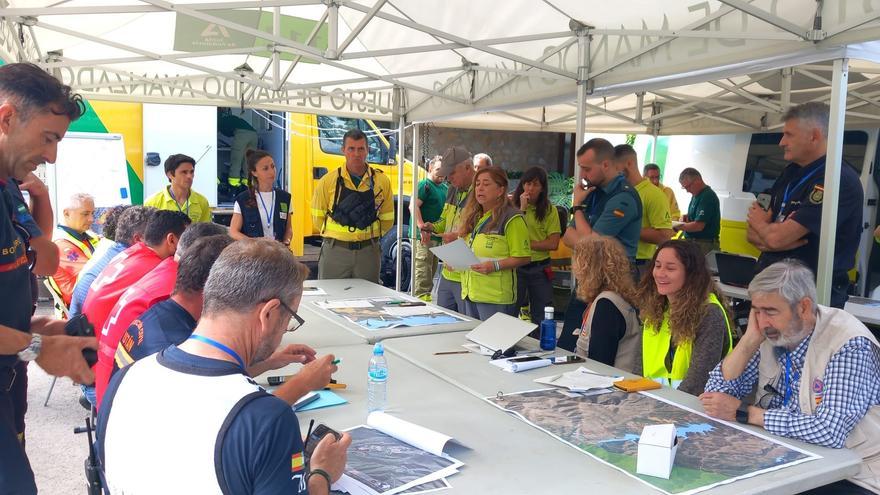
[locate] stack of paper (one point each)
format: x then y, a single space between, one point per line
521 363
389 456
580 380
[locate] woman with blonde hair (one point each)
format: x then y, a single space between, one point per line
610 332
496 232
687 329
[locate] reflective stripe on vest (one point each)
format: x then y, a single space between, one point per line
655 347
87 249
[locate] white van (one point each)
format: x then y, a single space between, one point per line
739 166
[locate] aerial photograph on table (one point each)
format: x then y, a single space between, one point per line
607 426
385 312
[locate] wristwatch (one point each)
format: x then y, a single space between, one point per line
32 351
742 416
578 208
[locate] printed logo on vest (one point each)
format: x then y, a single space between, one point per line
818 388
817 194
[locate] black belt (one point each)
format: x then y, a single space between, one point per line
7 379
353 245
537 263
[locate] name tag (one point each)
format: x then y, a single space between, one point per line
282 215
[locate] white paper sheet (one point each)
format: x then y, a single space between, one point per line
456 254
509 365
344 303
579 380
410 310
413 434
314 291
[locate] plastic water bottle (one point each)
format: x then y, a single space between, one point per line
377 380
548 330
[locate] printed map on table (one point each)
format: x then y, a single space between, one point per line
383 312
607 427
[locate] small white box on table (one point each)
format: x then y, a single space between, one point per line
657 447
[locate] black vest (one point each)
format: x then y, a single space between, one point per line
252 224
354 209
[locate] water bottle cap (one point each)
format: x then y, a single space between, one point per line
549 309
378 349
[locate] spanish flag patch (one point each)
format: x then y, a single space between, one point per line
297 463
619 213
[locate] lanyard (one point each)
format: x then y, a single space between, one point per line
789 189
478 229
222 347
269 212
171 193
788 381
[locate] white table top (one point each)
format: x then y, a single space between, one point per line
732 290
357 289
503 454
866 310
473 373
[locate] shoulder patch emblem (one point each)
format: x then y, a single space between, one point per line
817 194
619 213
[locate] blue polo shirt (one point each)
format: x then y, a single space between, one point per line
164 324
257 447
615 210
798 195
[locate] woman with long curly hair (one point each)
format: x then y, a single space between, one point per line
496 231
610 332
687 329
262 210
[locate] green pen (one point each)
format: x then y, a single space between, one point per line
336 361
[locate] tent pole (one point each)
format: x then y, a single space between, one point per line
276 57
833 163
332 31
413 204
580 126
401 109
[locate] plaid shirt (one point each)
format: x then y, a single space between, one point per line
852 386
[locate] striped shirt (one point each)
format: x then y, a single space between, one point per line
852 386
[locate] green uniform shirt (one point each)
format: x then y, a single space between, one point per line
655 214
196 206
704 207
503 241
540 230
433 197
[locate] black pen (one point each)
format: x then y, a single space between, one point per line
349 287
306 442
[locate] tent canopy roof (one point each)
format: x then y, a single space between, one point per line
677 66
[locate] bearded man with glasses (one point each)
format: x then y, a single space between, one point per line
817 370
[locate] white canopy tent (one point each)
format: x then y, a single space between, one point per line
677 66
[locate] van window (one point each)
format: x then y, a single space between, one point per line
765 163
330 132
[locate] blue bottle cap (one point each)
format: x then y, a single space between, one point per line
378 349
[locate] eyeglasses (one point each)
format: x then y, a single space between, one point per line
295 320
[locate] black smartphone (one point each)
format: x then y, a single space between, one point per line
274 381
316 436
567 359
524 359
